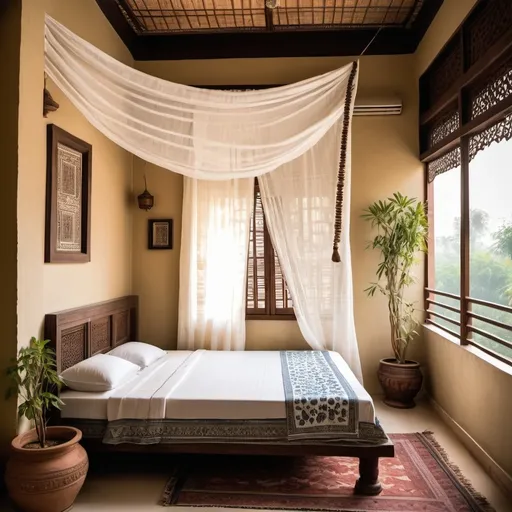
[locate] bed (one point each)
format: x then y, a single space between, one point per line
267 402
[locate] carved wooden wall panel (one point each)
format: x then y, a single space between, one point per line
443 164
442 74
76 334
486 26
101 335
75 341
496 133
122 327
443 125
496 88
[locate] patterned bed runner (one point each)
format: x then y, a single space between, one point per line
319 400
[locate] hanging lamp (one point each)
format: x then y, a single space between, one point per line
146 200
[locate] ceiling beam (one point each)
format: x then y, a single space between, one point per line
269 18
119 23
226 44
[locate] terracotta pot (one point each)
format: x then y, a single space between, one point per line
46 479
400 382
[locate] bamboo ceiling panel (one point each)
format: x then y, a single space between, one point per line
167 16
347 13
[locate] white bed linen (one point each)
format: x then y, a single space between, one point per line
203 385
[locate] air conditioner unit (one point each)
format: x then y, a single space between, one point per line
378 106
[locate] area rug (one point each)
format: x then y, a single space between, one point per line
418 478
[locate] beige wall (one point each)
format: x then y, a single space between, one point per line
384 160
476 394
10 34
43 288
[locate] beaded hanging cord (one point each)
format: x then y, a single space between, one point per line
343 162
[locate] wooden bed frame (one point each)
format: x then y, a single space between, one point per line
77 334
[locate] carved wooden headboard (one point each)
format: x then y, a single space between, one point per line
79 333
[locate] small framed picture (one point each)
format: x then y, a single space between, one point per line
160 234
68 198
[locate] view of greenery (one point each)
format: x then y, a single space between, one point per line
490 243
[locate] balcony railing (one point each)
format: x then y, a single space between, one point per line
466 333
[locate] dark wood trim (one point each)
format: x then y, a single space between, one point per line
501 325
490 336
443 328
291 450
443 317
443 294
441 305
278 316
271 42
490 352
269 18
57 324
368 483
423 21
270 295
300 43
270 312
119 23
476 125
502 47
151 242
55 136
464 235
429 271
492 305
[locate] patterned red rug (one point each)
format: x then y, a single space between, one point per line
418 478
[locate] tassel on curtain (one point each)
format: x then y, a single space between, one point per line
298 200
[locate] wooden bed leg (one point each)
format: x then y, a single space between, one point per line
368 483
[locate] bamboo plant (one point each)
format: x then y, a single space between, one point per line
35 378
401 224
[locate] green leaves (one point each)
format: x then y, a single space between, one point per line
34 379
402 226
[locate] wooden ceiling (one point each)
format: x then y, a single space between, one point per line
194 29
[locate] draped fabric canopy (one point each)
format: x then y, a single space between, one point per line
208 134
295 137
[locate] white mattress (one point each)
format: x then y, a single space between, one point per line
203 385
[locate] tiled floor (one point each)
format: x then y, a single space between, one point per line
135 490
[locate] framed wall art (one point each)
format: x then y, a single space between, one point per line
160 234
68 198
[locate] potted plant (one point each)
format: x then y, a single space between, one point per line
47 466
401 225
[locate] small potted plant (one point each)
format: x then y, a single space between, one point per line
47 466
401 225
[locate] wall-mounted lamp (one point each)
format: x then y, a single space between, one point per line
49 104
145 200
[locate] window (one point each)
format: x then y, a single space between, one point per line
267 294
490 246
444 246
488 268
466 141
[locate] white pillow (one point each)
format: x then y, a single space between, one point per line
141 354
99 373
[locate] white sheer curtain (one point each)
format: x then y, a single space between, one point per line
298 199
250 132
213 263
290 136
